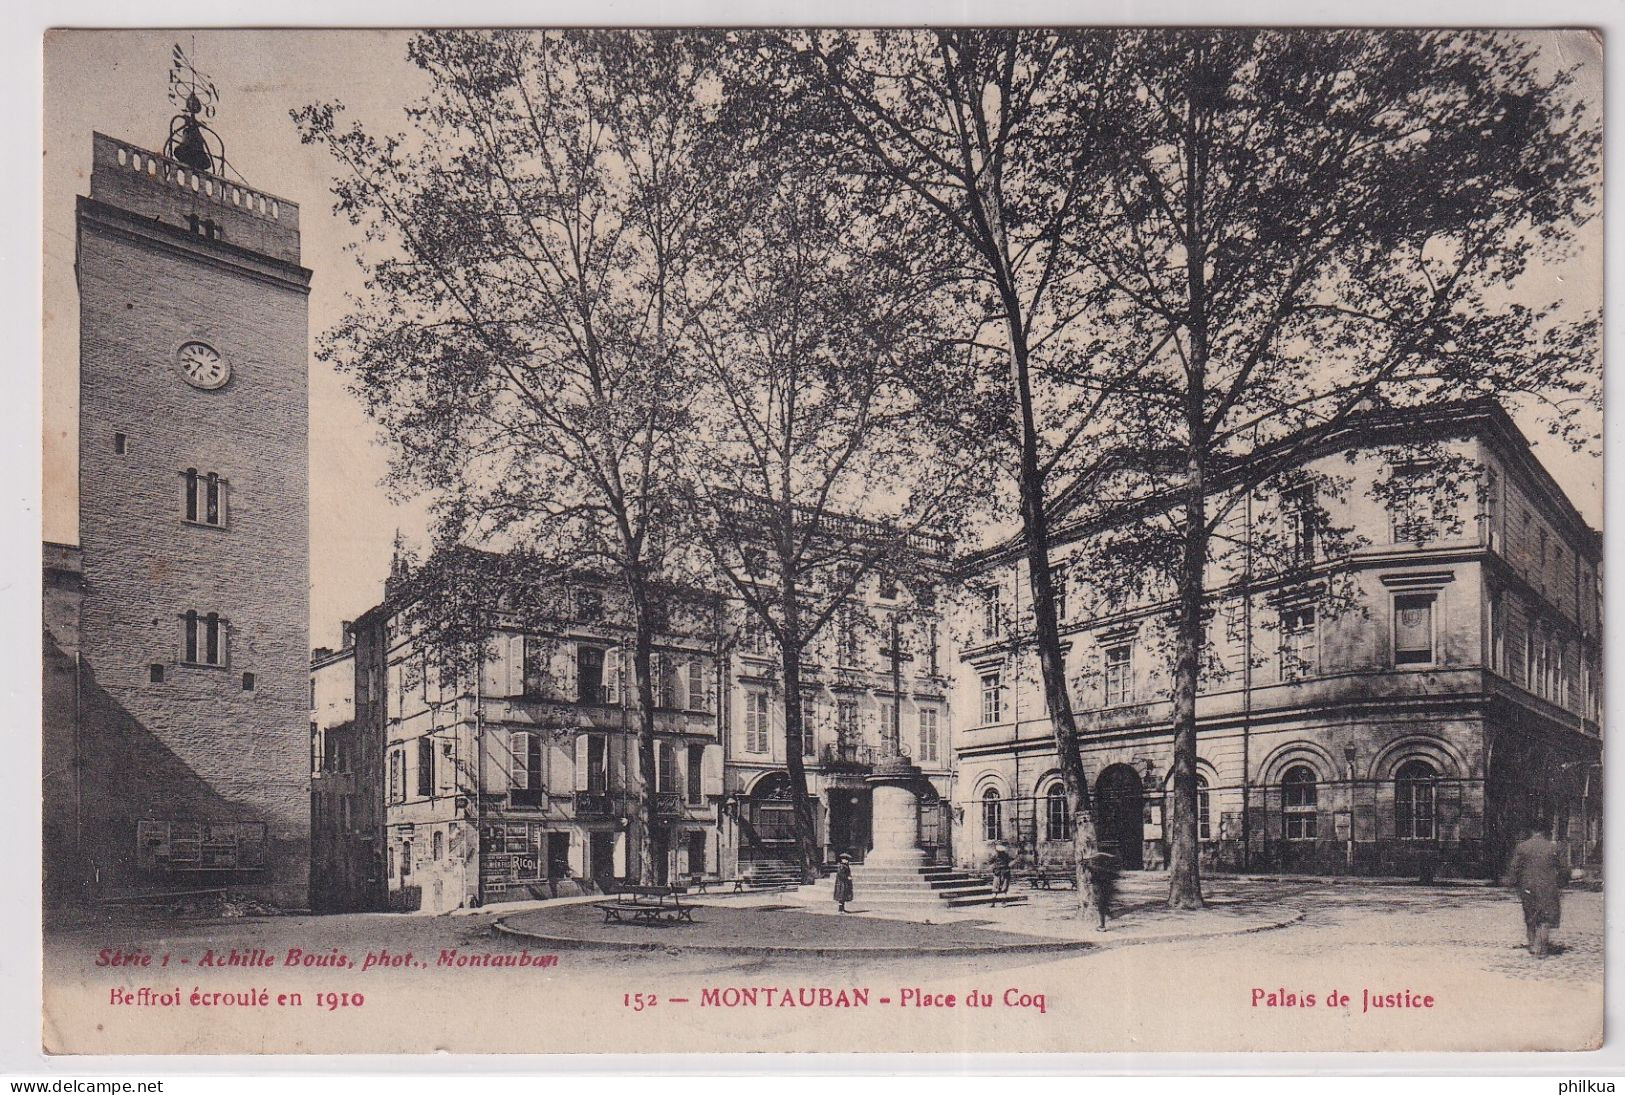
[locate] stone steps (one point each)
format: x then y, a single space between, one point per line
929 886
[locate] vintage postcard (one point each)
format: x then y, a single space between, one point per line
683 540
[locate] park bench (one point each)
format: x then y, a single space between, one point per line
1047 878
647 905
700 884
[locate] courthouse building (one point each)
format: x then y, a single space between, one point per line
175 753
1447 694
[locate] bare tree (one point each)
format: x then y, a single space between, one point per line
529 250
985 131
816 466
1301 226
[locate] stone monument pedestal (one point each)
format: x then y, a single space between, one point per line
895 815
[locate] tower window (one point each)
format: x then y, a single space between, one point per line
248 682
205 498
205 637
155 673
119 444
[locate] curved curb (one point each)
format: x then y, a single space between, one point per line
562 943
1297 914
1036 947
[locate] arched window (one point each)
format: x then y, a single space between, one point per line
1415 795
1204 819
1055 814
1298 800
992 815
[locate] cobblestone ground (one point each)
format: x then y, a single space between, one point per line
1461 945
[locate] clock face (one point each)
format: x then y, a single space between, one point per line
201 365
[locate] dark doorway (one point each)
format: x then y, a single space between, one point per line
558 855
696 852
849 822
601 859
1121 809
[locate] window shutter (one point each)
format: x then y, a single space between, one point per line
711 770
515 666
562 665
495 762
518 759
581 762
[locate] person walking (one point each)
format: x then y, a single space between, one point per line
1001 869
1535 872
843 883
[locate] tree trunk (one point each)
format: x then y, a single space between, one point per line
1052 665
643 842
1184 876
807 852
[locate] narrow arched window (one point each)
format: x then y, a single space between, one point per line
1416 787
992 814
1055 814
1299 798
1204 819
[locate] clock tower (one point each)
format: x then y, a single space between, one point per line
191 744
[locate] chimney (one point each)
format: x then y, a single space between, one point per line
348 627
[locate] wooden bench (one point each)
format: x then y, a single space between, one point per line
700 885
1049 878
647 905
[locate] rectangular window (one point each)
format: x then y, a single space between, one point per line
1413 629
808 744
425 767
1300 527
756 722
446 769
397 776
597 765
155 673
696 770
204 638
590 675
849 647
992 707
1057 578
665 768
933 656
1411 504
991 616
1300 644
1489 510
205 495
589 605
846 721
119 445
696 685
1119 674
929 752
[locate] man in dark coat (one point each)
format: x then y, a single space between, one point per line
1536 873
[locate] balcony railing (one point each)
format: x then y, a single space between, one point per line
668 805
844 753
594 804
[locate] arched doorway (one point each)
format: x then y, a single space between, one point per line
1120 806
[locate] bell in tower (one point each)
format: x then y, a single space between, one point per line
189 131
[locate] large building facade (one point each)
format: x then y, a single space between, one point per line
1399 705
519 779
874 681
187 737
